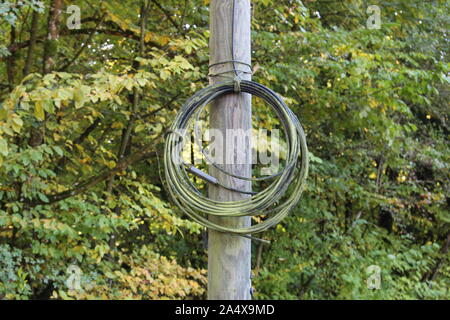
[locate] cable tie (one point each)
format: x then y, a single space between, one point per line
237 84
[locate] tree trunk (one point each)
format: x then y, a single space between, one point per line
32 46
51 44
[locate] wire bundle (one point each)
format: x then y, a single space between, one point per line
197 206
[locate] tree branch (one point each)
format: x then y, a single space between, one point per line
431 276
11 59
125 142
167 14
31 47
78 140
86 43
67 32
85 185
50 47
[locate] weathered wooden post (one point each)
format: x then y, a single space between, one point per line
229 256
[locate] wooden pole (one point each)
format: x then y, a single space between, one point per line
229 256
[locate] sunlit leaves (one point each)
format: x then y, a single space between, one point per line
3 147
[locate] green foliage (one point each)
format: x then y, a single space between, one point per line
371 102
79 169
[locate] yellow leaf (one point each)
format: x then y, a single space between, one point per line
148 36
17 124
3 147
164 74
111 164
39 110
117 125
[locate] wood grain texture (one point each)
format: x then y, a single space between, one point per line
229 256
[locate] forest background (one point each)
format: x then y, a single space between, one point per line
83 110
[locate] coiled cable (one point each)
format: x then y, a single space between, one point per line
267 202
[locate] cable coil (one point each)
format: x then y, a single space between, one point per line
199 207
